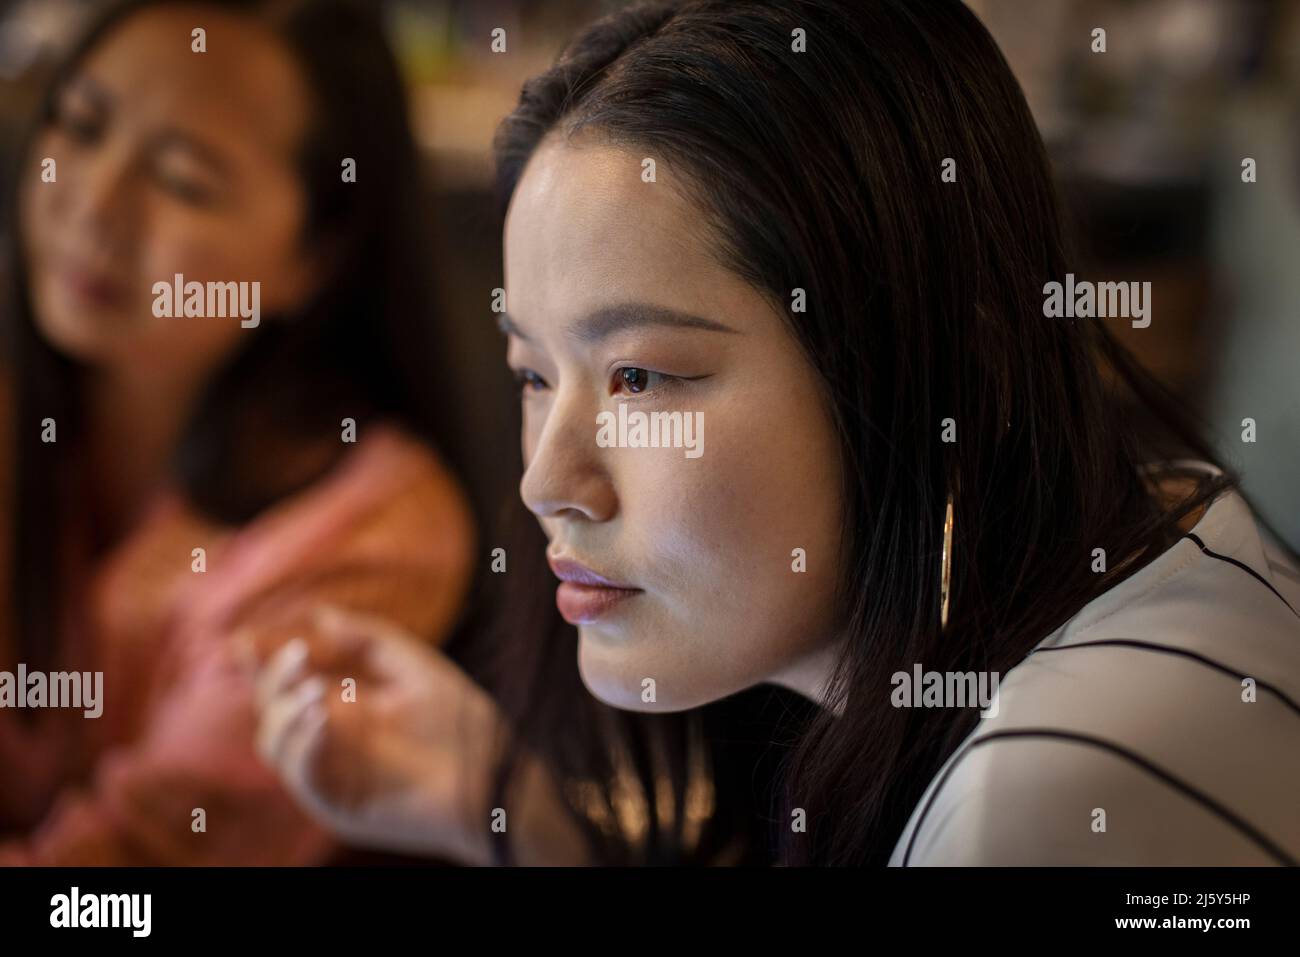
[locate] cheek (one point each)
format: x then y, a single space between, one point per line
531 429
740 519
733 517
734 602
39 206
258 242
201 248
204 248
276 250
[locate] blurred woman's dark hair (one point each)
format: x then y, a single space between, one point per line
821 170
361 348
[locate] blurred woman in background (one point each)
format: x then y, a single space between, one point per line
184 491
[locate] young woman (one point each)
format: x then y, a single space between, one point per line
823 232
182 488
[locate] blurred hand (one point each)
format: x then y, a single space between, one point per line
402 760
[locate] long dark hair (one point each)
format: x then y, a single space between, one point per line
360 348
821 170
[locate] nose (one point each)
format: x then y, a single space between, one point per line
99 208
565 476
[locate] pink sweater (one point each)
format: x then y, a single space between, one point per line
387 532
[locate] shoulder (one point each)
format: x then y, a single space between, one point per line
1034 797
390 483
387 531
1159 726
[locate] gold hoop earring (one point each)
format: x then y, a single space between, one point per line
945 570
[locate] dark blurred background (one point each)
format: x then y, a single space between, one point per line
1148 140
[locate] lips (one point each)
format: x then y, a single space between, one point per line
92 287
586 596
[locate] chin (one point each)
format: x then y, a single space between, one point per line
607 682
77 335
72 338
617 679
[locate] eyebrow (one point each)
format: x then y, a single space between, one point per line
605 322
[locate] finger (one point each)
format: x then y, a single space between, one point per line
339 638
296 755
286 667
282 713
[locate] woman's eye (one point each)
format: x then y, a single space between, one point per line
185 184
529 381
635 380
79 124
186 190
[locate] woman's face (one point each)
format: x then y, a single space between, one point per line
615 300
168 162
